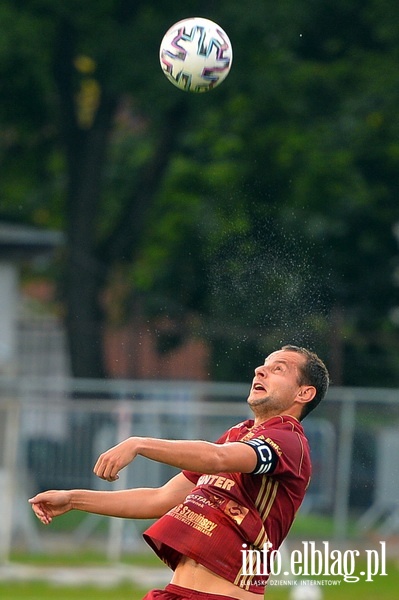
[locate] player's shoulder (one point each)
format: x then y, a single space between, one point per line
283 430
281 423
285 422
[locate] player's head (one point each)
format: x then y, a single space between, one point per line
313 372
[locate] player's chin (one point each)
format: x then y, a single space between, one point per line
256 399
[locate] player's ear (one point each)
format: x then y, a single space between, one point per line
306 393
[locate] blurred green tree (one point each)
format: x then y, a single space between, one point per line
261 213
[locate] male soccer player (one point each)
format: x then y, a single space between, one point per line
231 499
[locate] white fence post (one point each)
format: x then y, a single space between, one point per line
8 475
344 464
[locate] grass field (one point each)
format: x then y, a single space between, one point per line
43 591
382 588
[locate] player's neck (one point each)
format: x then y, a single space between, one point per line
266 415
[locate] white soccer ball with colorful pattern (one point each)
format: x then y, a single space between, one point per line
196 55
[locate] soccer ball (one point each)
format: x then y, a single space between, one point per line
196 54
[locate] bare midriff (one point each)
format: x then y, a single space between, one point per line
192 575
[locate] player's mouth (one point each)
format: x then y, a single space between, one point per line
258 387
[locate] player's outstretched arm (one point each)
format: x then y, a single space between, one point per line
140 503
193 455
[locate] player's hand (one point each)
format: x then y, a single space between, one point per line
48 505
113 460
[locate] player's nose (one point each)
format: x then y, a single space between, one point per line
260 371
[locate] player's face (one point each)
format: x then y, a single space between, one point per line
276 383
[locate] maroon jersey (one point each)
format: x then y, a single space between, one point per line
229 519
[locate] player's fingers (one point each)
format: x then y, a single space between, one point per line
110 473
35 499
99 468
108 478
41 513
106 469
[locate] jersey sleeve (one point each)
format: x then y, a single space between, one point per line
266 456
280 452
192 476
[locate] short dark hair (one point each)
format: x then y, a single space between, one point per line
313 372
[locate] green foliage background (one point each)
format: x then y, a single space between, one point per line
262 213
